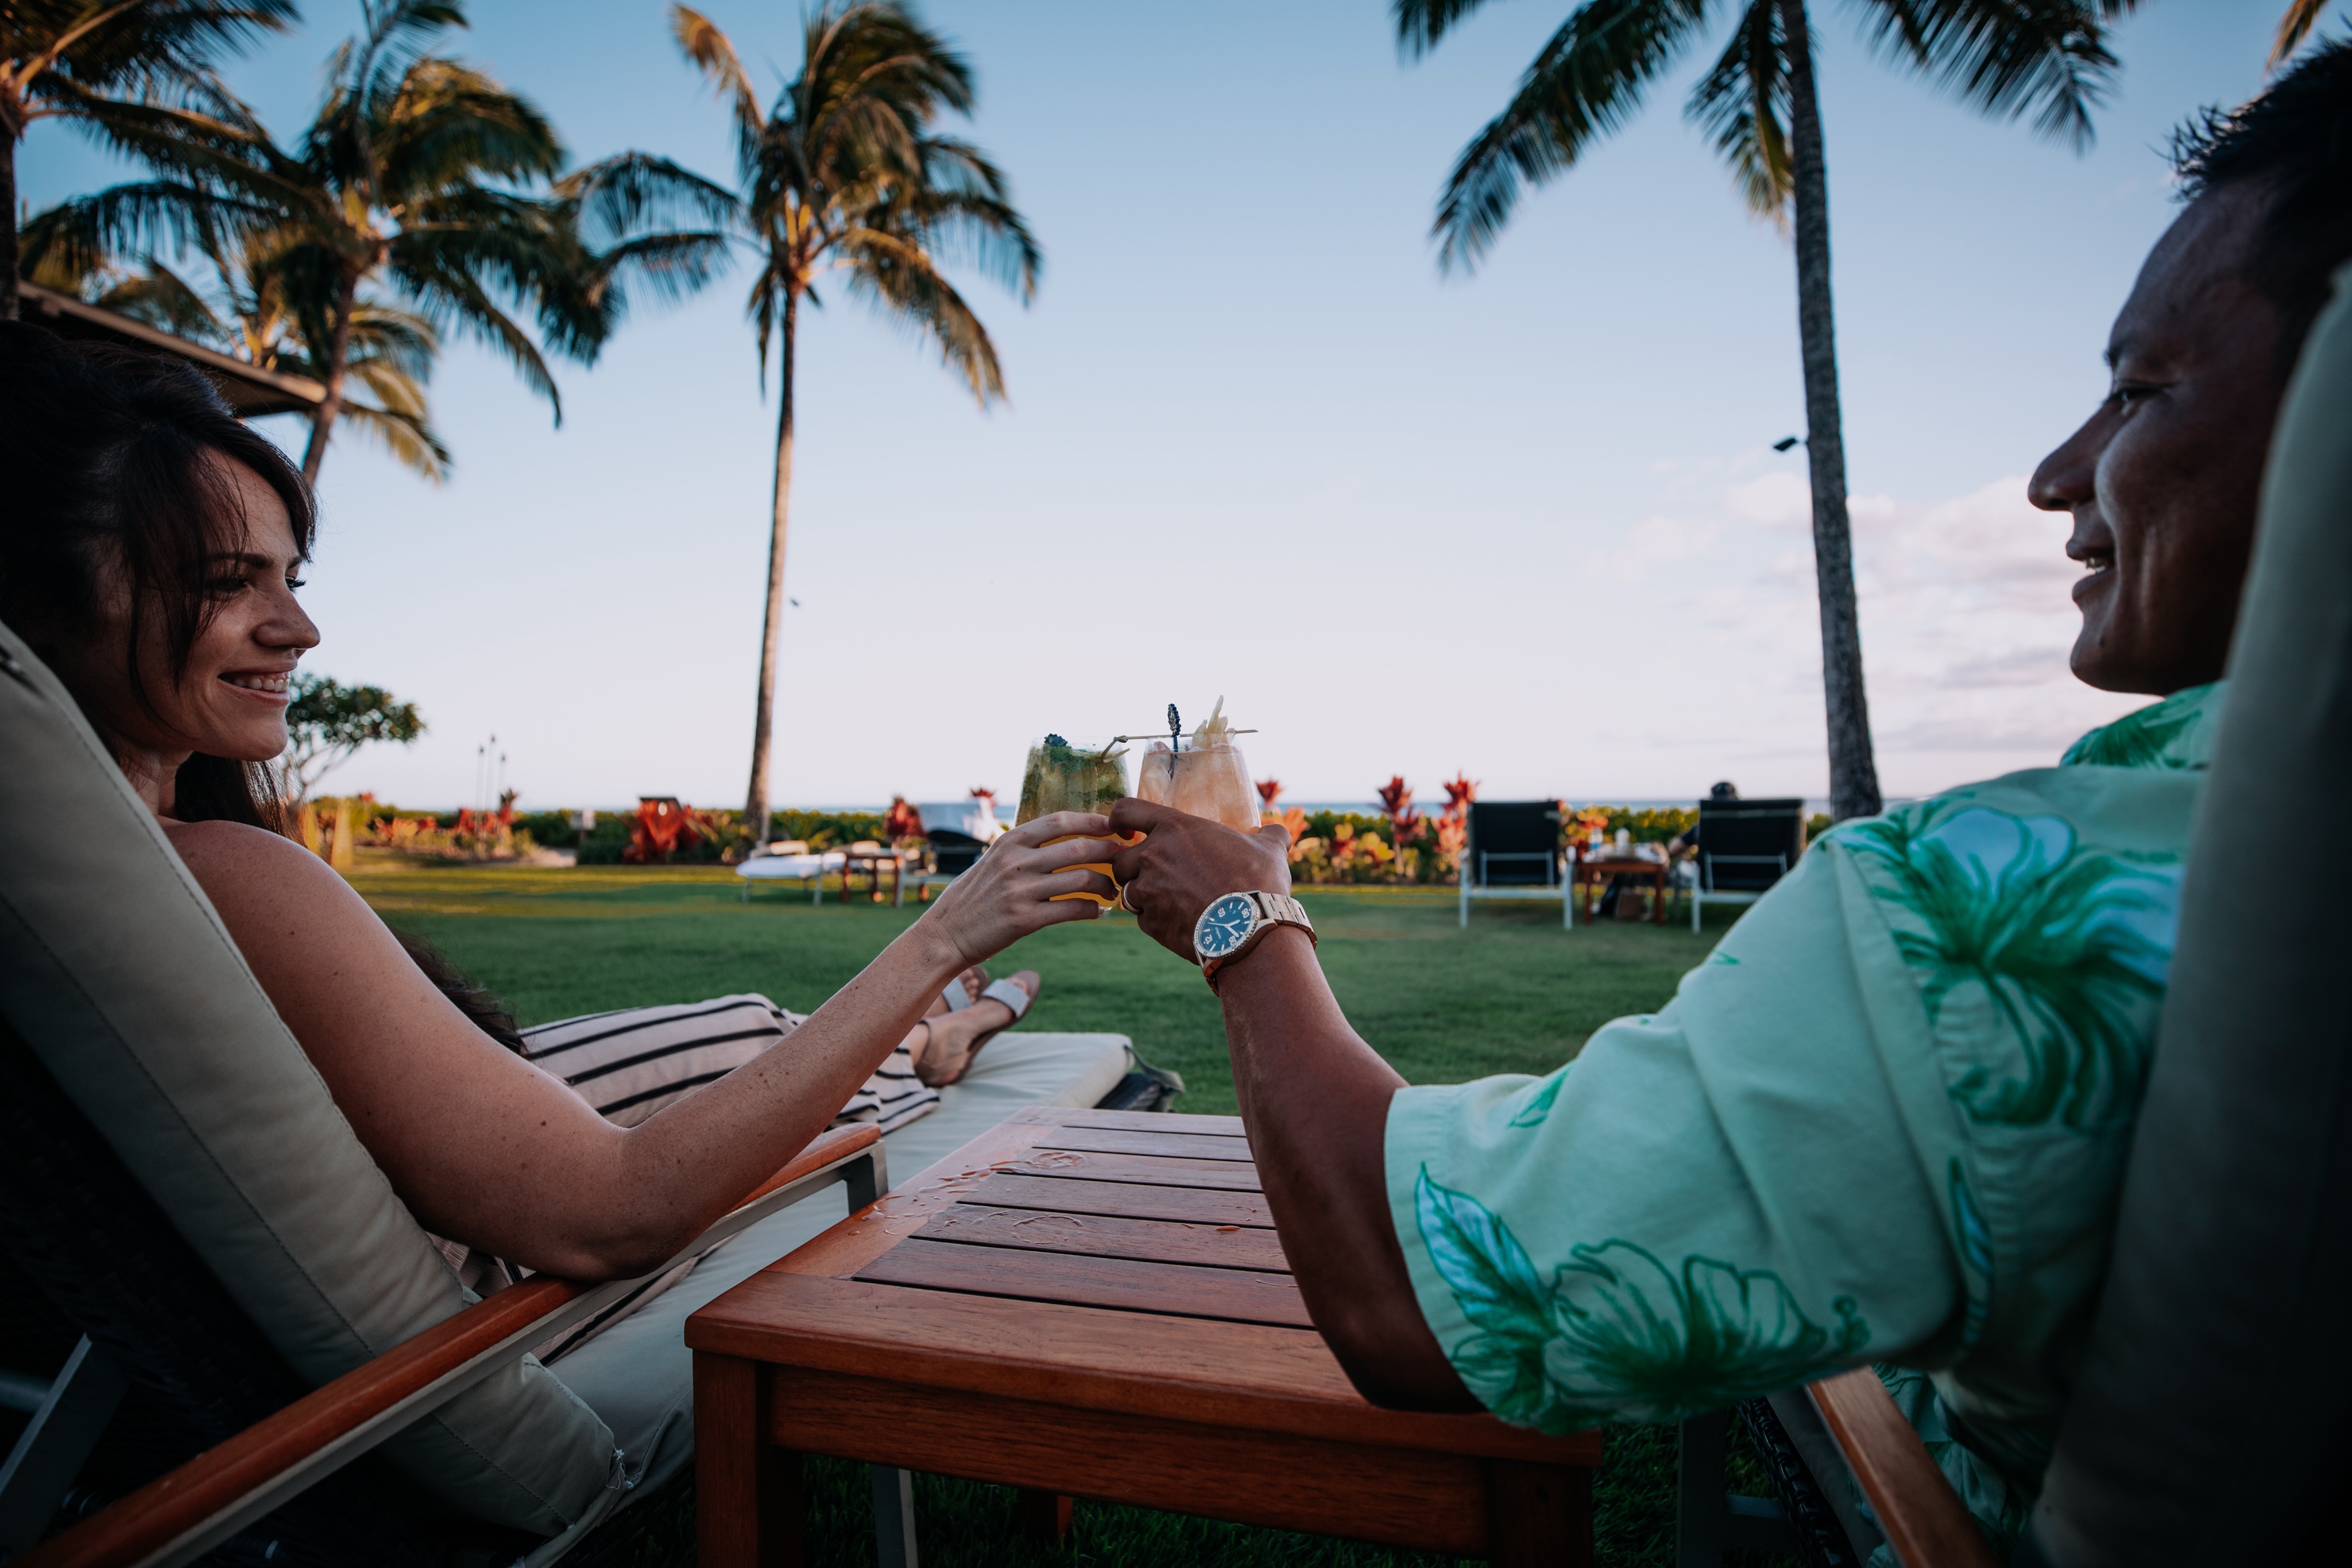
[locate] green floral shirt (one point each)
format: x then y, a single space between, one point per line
1885 1122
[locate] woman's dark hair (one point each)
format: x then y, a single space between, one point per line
2295 138
110 458
484 1011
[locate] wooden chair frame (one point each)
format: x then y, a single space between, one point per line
180 1516
1922 1517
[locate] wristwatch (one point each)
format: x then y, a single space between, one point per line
1231 925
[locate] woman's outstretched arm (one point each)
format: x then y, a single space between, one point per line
488 1149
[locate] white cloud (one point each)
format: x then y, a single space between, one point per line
1966 625
1772 500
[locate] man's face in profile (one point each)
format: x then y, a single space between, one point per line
2164 479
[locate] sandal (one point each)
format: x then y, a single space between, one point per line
1016 999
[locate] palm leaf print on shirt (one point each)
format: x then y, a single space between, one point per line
2065 948
1539 1101
1616 1332
2151 738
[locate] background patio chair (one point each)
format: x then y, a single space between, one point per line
2208 1422
1512 851
958 831
1743 847
789 860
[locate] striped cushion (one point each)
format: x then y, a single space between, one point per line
631 1064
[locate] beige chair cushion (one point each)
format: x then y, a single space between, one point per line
115 968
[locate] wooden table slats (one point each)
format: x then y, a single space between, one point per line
1164 1145
1191 1206
974 1224
1094 1303
1150 1170
1130 1284
1161 1122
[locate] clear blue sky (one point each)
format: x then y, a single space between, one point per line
1525 523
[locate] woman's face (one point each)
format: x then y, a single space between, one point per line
231 701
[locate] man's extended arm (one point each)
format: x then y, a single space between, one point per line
1314 1096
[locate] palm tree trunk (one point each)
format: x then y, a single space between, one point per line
7 222
1853 771
339 353
771 629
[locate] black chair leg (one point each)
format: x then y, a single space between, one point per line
1710 1522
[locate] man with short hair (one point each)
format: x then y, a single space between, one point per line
1886 1120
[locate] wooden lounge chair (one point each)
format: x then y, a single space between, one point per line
199 1262
2208 1422
165 1368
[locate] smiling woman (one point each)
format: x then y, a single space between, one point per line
149 556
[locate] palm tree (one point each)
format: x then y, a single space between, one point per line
247 309
73 59
1759 105
415 182
843 173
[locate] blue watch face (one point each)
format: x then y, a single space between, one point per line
1224 925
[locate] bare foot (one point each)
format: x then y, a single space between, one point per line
974 981
949 1043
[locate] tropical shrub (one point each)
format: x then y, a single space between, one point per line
465 834
827 830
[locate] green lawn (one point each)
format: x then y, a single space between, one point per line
1514 993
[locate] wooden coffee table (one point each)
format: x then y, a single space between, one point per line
1592 878
1092 1303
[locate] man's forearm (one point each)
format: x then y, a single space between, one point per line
1315 1098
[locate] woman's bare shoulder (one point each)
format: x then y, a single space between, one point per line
243 865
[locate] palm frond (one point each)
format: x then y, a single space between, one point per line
64 248
148 215
163 298
1743 104
896 274
712 50
1421 23
447 293
449 122
956 226
410 440
2302 16
1588 81
156 49
2007 58
673 265
384 335
631 192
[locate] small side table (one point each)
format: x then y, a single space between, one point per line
1091 1303
873 863
1593 876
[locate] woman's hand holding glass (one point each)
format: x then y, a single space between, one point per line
1023 885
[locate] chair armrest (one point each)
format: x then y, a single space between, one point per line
178 1516
1924 1518
827 1150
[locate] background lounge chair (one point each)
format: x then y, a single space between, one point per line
1745 846
1513 852
958 831
790 861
